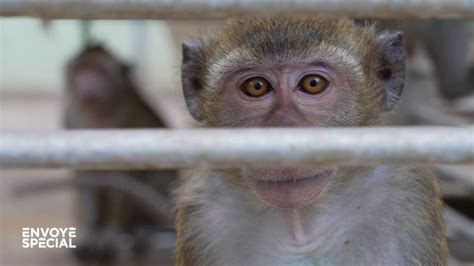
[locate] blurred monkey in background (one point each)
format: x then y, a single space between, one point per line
100 94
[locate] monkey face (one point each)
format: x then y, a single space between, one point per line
90 86
297 72
300 94
96 79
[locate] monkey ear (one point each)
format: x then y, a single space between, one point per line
390 66
190 77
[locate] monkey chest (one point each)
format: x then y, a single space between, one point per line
250 240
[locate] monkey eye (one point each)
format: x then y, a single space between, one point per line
313 84
256 87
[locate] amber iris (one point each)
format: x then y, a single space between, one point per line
256 87
313 84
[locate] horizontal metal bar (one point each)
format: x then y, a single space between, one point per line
223 148
213 9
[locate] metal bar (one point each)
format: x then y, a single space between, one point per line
216 9
223 148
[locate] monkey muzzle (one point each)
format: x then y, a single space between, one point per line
291 188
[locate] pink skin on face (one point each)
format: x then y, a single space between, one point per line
286 105
291 188
90 87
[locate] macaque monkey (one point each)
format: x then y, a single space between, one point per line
100 95
303 72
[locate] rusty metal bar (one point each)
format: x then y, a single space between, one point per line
222 148
216 9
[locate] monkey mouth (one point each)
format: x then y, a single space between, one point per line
295 181
291 181
291 193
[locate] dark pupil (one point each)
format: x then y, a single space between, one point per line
258 85
313 83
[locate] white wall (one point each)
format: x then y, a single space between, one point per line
33 53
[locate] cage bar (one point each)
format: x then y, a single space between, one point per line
224 148
216 9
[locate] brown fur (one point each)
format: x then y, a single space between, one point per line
392 215
103 211
255 40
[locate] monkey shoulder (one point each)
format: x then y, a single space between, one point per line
412 207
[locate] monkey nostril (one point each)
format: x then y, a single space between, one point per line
385 73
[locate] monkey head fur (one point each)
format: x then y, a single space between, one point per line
101 93
365 72
372 63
